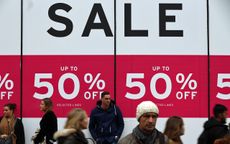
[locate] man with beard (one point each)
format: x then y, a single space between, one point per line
145 132
215 127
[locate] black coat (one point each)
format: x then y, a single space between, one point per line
213 130
48 126
68 136
19 132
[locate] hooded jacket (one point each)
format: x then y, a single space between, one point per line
213 130
70 136
106 126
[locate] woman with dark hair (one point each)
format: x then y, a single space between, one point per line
77 120
11 125
48 123
174 129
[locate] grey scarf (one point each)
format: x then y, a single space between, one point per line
145 138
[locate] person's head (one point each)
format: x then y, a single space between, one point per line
174 128
105 99
220 113
46 104
8 110
146 114
77 119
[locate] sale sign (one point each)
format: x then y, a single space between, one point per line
220 80
73 62
219 54
10 80
10 54
70 81
177 84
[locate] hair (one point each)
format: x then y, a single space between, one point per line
48 102
11 106
104 93
173 128
75 116
224 140
218 109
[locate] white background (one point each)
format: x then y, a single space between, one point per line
192 19
10 27
219 27
37 41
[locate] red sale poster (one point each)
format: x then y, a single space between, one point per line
10 54
10 81
177 84
70 81
219 81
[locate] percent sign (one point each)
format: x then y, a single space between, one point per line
9 84
180 78
89 79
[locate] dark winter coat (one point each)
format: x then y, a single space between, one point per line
106 126
213 130
70 136
48 126
19 132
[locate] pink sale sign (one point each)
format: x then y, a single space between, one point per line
70 81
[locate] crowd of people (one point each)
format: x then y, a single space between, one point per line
106 125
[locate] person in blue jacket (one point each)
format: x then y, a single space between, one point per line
106 121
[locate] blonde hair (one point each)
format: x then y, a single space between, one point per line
74 118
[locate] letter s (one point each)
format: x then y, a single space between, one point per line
57 18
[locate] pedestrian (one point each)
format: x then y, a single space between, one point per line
174 129
145 132
215 127
11 127
106 121
48 123
77 120
224 140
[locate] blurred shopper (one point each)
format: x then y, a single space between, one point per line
48 123
77 120
215 127
106 121
11 128
224 140
145 132
174 129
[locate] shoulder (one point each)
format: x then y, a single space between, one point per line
162 138
63 133
160 134
18 120
66 139
127 139
50 114
117 107
95 111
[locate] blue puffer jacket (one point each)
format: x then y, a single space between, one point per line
106 126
